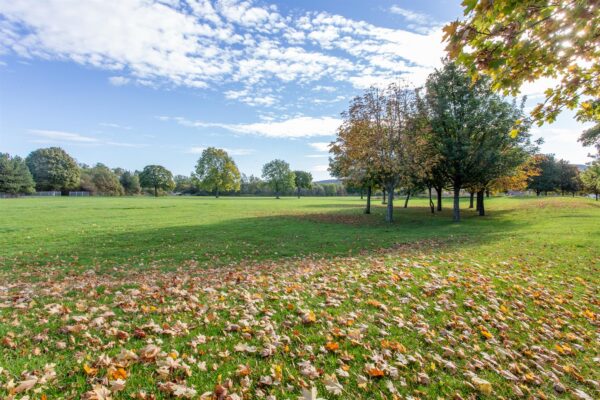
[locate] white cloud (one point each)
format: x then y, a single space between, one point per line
118 80
320 146
116 126
412 16
51 136
60 136
290 128
204 44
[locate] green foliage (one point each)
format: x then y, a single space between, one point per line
568 177
53 169
515 42
130 183
185 184
279 176
101 180
590 179
302 180
156 177
15 177
471 130
548 179
217 172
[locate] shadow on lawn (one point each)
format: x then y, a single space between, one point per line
288 236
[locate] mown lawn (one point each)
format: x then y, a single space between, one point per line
247 298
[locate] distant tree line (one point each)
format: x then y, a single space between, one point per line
52 169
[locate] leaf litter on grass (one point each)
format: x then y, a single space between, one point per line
400 324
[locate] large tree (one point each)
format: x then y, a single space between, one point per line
130 183
548 179
53 169
516 42
568 177
380 137
470 129
302 180
217 172
279 176
106 181
15 177
156 177
590 179
348 162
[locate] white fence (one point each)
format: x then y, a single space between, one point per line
79 194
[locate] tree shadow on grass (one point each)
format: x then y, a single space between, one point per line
273 238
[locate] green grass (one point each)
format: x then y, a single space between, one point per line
82 280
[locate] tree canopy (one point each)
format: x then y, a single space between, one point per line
15 177
590 178
279 176
101 180
156 177
53 169
217 172
515 42
302 180
471 130
130 183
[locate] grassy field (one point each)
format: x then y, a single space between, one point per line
245 297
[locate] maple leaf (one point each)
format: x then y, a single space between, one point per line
332 384
309 394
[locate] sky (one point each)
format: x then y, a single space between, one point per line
135 82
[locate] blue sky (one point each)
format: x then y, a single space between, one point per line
135 82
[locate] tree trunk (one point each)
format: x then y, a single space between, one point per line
471 195
298 192
361 193
217 193
487 193
368 207
537 193
383 199
480 206
389 215
596 196
456 210
431 205
155 191
439 198
406 201
277 195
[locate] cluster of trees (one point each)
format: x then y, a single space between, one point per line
216 172
453 134
52 169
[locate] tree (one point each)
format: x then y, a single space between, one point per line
590 178
302 180
156 177
185 184
548 178
279 176
515 42
471 130
379 138
568 178
130 183
519 178
216 171
106 181
348 163
53 169
15 177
